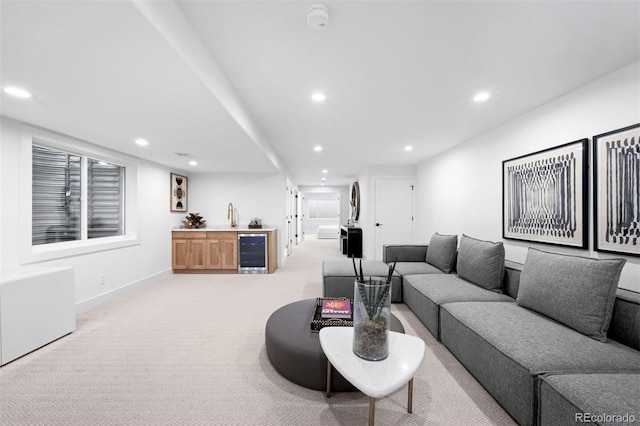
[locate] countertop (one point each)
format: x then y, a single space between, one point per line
222 229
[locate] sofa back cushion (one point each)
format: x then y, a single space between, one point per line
578 292
441 252
481 262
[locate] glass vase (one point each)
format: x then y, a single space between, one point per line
371 318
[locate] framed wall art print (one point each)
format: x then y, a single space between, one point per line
179 193
616 188
544 196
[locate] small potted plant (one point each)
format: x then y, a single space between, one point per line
255 223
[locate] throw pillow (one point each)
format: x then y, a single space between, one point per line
441 252
481 262
578 292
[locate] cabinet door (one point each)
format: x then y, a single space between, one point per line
214 260
229 250
180 254
198 254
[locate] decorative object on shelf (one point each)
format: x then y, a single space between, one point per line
354 202
544 196
371 315
352 222
194 220
616 179
178 194
255 223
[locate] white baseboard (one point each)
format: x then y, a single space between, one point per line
92 302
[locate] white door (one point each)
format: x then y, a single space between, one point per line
287 230
393 215
299 217
294 219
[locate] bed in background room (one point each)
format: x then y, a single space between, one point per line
328 231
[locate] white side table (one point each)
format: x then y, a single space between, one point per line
375 379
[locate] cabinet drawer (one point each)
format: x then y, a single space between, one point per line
222 235
189 235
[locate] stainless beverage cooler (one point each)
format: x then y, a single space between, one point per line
253 256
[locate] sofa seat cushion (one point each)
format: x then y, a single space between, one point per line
414 268
583 398
481 262
448 288
506 346
576 291
442 252
425 293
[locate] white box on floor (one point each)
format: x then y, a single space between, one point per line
37 306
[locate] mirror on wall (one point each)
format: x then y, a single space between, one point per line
355 201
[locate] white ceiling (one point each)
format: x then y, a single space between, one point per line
229 82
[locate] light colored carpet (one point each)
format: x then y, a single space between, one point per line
189 350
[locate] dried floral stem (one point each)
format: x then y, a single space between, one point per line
374 296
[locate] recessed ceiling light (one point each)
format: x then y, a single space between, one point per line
18 92
323 179
193 163
317 148
318 97
325 171
142 142
408 148
481 96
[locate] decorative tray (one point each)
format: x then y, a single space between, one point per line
317 322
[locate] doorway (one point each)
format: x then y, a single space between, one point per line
393 212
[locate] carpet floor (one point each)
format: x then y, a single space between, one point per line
189 350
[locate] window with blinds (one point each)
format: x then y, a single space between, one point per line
322 209
58 214
105 199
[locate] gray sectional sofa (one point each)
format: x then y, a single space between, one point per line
553 341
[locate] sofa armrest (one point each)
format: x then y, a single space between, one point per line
404 252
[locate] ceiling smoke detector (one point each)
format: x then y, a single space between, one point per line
317 17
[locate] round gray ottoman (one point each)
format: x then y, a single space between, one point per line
295 352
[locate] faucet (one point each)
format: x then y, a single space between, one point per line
231 215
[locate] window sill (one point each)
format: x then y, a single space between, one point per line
75 248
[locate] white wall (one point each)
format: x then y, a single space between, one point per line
460 191
252 194
309 192
129 266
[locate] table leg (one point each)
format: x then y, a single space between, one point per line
410 397
372 410
328 379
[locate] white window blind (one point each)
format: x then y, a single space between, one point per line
322 209
57 211
55 196
105 199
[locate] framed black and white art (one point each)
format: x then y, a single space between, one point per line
178 194
544 196
616 188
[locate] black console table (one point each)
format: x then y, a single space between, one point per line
351 241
